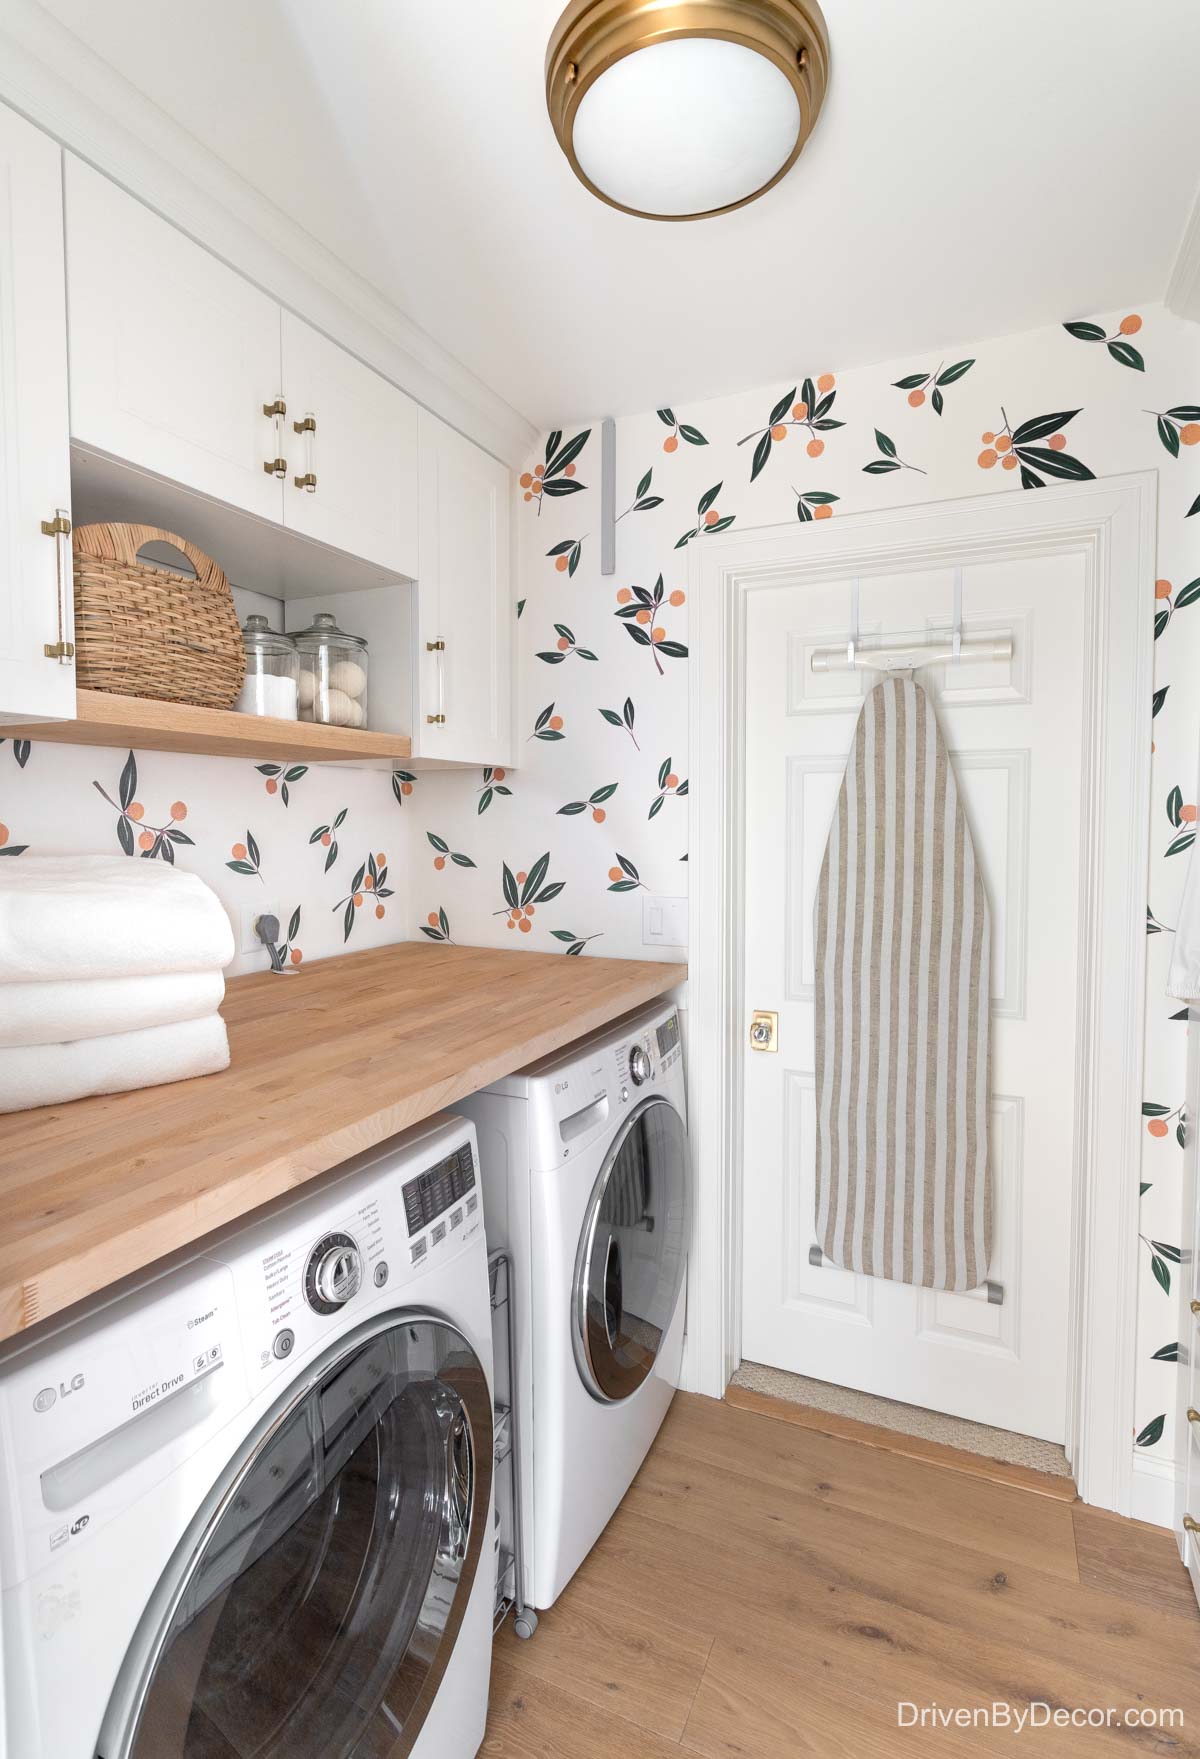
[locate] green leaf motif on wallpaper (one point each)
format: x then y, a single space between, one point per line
326 835
889 459
368 887
1014 447
437 927
575 943
1168 1353
918 385
641 612
1168 601
811 412
625 876
493 784
443 852
625 718
566 559
1175 426
548 727
643 500
524 891
565 647
1182 819
1152 1433
135 833
708 520
403 782
556 476
813 504
595 800
680 430
1122 351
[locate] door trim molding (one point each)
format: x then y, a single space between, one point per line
1111 523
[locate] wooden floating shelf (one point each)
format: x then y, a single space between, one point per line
102 719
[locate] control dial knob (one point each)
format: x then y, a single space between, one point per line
333 1273
639 1065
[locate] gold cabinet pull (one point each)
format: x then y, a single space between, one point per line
275 467
307 481
435 720
307 426
279 407
59 528
1190 1524
435 647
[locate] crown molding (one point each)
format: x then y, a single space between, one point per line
62 87
1183 287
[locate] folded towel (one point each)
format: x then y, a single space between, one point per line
49 1074
58 1011
83 916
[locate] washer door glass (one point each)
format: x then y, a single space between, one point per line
633 1252
316 1615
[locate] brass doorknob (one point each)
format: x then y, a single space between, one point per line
1193 1416
1195 1306
1190 1525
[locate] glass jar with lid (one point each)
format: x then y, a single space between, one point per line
272 682
333 673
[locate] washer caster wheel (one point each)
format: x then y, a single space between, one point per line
525 1624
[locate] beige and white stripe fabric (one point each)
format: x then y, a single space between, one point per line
902 988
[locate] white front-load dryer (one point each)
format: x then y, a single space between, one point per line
587 1185
245 1509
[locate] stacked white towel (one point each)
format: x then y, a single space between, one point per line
110 977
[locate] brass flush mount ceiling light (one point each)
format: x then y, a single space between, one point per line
677 111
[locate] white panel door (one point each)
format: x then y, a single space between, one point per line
358 464
1013 730
464 602
173 355
35 464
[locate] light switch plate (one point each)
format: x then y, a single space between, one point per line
664 921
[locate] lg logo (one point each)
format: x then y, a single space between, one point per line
49 1396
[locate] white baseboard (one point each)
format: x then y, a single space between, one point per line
1153 1497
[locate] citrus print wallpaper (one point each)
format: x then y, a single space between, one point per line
557 853
563 848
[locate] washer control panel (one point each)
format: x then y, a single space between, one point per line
333 1273
438 1189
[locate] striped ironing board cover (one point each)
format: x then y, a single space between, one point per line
902 991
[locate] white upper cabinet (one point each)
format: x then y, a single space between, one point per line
464 602
173 355
35 465
352 452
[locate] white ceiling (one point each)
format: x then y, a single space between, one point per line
975 171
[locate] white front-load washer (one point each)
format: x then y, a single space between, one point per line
587 1185
245 1505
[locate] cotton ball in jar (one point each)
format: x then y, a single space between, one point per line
340 709
349 676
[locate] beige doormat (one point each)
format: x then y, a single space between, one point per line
956 1432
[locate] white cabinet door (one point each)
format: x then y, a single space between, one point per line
35 465
463 602
173 355
361 454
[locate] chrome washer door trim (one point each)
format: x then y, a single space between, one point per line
591 1371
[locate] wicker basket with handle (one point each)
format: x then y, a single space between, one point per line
143 629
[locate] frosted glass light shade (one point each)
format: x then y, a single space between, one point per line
686 127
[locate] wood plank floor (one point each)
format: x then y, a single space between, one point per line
769 1592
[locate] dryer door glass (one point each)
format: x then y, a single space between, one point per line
315 1614
633 1252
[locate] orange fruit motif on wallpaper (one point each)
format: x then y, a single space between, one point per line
1019 448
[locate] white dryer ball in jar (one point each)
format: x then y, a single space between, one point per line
357 718
308 689
339 708
349 676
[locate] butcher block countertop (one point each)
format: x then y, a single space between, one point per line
325 1063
